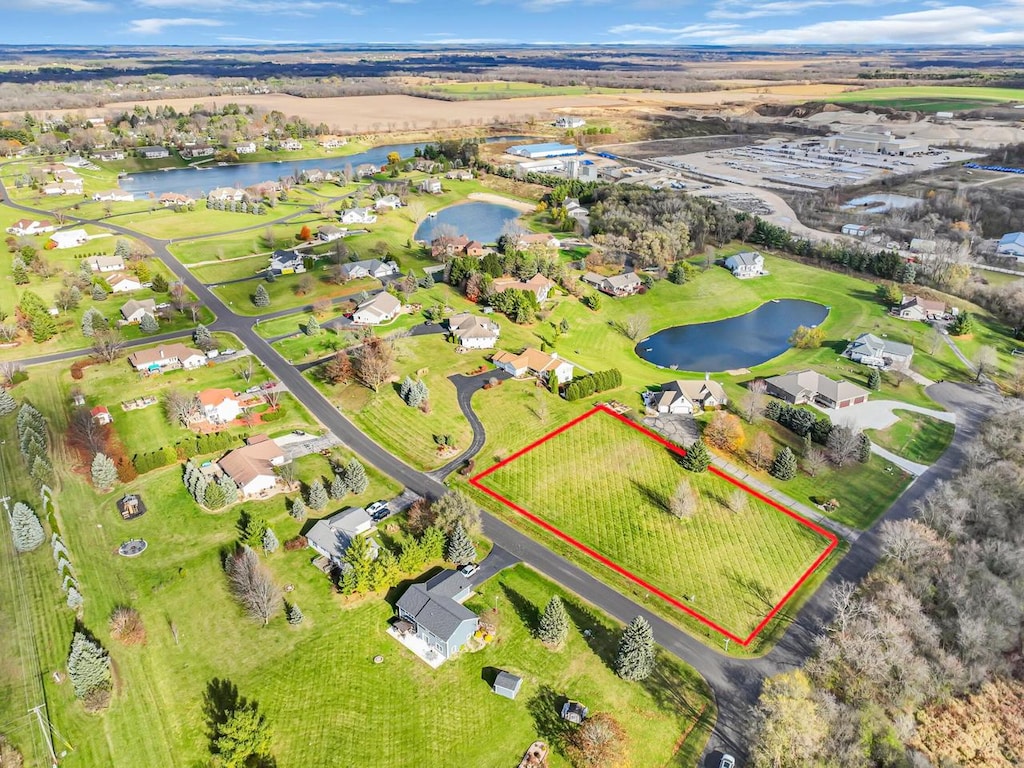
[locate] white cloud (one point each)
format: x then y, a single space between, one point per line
670 34
734 9
157 26
65 6
278 7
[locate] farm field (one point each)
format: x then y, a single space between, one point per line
511 89
609 486
916 436
932 98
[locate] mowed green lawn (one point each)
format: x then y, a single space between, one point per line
608 486
931 98
916 436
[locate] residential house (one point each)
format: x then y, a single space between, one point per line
197 150
153 153
808 386
287 263
134 310
538 285
252 465
434 613
246 148
916 308
220 406
746 264
70 238
101 415
26 227
366 169
475 248
379 309
920 245
175 200
462 175
446 247
878 352
472 331
291 145
525 240
332 536
616 285
430 186
687 397
355 270
1011 244
109 155
123 283
62 188
114 196
104 263
535 363
226 195
331 142
166 356
329 233
387 203
357 216
856 230
567 121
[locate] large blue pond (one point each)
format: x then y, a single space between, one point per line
733 343
477 221
196 181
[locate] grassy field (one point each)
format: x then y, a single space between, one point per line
283 291
499 89
931 98
609 487
293 672
915 436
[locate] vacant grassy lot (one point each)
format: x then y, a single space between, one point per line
916 436
498 89
609 487
931 98
284 291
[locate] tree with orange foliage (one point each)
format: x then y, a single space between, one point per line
724 432
305 234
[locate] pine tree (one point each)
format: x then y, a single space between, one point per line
338 487
863 448
202 336
298 510
554 623
261 298
405 389
253 532
7 402
432 543
418 394
697 458
75 600
784 466
97 293
355 476
312 326
159 283
213 496
44 327
317 497
19 273
460 549
427 281
149 324
123 249
229 489
635 659
294 614
88 666
104 472
270 542
874 379
553 383
25 528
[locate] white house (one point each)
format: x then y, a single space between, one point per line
252 465
114 196
133 311
248 148
226 195
219 405
175 200
153 153
379 309
369 268
287 263
167 356
291 145
387 202
123 283
567 121
109 155
332 142
358 216
25 227
1011 244
332 536
869 349
70 238
473 332
534 362
329 233
856 230
916 308
687 397
430 186
103 263
616 285
746 264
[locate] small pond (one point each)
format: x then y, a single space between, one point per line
477 221
880 203
733 343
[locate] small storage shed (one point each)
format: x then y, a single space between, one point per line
506 684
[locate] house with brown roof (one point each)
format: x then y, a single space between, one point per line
122 283
379 309
616 285
220 406
525 240
175 200
916 308
24 227
105 263
538 285
133 311
447 247
809 386
166 357
252 465
533 362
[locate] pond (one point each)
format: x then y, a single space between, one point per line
733 343
477 221
880 203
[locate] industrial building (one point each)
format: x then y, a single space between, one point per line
884 143
538 151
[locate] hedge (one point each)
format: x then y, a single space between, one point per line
585 386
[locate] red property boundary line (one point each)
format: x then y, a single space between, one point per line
828 535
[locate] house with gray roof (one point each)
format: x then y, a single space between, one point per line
879 352
354 270
332 536
617 285
1011 244
799 387
746 264
687 397
433 612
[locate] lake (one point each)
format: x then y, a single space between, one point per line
195 182
733 343
477 221
880 203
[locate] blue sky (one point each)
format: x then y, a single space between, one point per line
443 22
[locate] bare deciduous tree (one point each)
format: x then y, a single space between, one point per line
684 501
252 586
107 345
374 362
762 451
180 408
245 369
843 445
754 399
634 326
814 460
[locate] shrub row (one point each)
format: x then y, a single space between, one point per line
186 449
594 382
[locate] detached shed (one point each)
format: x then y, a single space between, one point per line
506 684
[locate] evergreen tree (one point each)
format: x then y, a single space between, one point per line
44 327
874 379
784 466
317 497
294 614
202 336
355 476
42 470
635 659
697 458
104 472
229 489
97 293
417 394
270 542
212 497
261 298
338 487
553 384
405 389
962 324
7 402
87 321
427 281
385 572
554 623
863 448
75 600
74 296
298 509
432 543
460 549
25 528
123 249
243 736
19 273
88 666
149 324
312 326
159 283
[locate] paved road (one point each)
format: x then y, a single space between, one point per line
465 388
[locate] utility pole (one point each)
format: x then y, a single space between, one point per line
46 733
